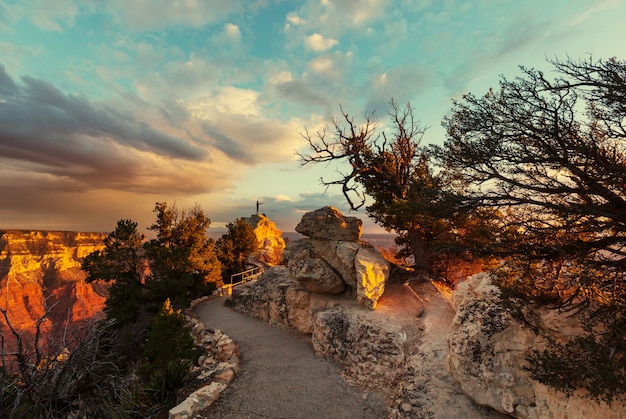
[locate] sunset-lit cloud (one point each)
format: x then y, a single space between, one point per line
317 42
109 107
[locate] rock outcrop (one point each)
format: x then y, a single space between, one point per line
329 223
333 257
489 342
270 239
44 266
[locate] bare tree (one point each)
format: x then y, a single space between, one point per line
390 166
44 379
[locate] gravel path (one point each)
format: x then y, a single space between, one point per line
280 376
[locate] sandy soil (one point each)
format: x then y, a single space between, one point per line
425 389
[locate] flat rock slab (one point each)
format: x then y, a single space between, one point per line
280 376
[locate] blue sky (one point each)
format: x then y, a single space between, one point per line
107 107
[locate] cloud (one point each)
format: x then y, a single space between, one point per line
147 15
235 121
52 15
298 91
232 34
597 7
293 20
67 142
318 43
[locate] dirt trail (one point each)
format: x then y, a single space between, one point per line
427 390
280 376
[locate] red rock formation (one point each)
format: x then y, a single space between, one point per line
270 239
43 267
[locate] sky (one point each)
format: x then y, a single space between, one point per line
109 106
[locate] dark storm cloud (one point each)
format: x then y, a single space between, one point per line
74 143
228 145
7 86
44 112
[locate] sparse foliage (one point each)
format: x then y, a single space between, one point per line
552 154
59 376
408 196
234 247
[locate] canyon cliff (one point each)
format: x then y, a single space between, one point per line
40 269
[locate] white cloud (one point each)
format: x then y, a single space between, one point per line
52 15
235 123
293 20
319 43
143 15
284 198
232 34
599 6
331 66
281 77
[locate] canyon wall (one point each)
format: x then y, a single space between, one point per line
41 269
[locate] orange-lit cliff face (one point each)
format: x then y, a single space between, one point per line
44 266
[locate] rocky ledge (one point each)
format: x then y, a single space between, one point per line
490 340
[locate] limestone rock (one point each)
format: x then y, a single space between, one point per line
269 237
488 348
314 273
276 297
318 276
340 255
330 224
334 244
372 271
371 353
298 250
197 401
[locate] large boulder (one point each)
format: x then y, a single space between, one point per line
329 223
328 266
490 340
333 257
372 271
314 272
372 352
318 276
340 255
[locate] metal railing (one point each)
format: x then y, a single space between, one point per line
241 278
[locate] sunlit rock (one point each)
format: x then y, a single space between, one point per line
372 271
44 266
329 223
269 237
